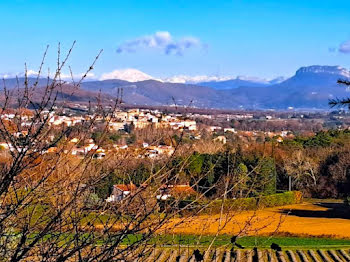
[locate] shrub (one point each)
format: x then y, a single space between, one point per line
286 198
93 201
347 201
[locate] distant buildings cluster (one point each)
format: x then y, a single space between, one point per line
131 119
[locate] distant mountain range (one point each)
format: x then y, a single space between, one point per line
310 88
152 92
240 82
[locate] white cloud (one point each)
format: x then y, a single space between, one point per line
33 73
7 75
30 73
68 77
345 47
161 40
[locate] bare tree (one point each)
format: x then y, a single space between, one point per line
48 209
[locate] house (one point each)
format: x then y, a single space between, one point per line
5 145
141 124
116 125
190 125
74 140
121 191
176 191
152 153
52 150
163 149
99 155
116 146
78 151
221 139
157 151
232 130
89 147
284 133
214 128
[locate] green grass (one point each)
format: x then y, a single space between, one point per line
248 242
262 242
319 200
293 242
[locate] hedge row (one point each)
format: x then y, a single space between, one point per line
253 203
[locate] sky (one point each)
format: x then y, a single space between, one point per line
164 38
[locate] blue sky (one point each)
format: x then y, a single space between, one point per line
226 38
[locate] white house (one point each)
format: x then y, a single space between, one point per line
120 192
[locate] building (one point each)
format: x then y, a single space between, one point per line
221 139
176 191
232 130
120 192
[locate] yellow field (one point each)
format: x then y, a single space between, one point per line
306 219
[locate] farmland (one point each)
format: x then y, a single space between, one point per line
225 255
315 219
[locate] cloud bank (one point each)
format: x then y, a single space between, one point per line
161 40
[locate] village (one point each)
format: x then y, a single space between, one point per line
135 119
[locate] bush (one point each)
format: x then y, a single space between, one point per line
93 201
347 201
252 203
280 199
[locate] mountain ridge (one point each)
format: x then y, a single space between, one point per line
310 87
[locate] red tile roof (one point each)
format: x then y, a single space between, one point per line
180 189
128 187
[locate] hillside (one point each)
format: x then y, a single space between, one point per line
67 92
152 92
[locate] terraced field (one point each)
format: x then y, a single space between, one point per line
222 255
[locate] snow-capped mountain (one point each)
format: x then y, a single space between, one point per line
134 75
222 82
130 75
184 79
